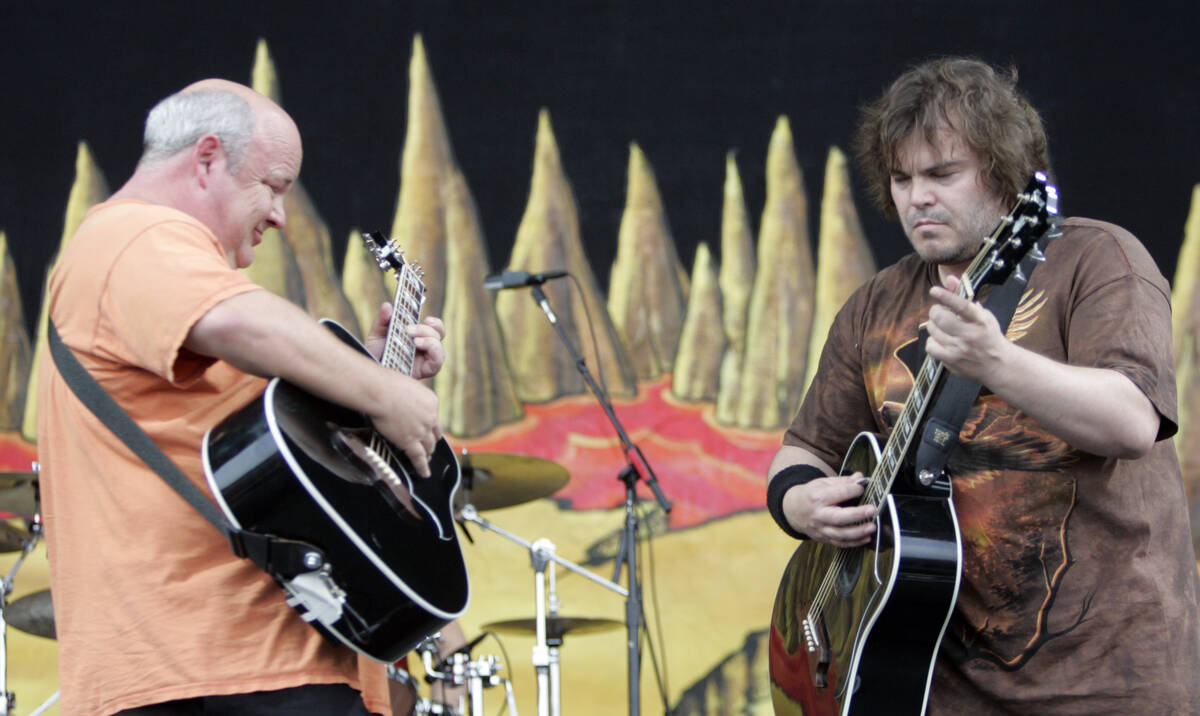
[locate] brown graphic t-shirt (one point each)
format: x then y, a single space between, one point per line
1079 578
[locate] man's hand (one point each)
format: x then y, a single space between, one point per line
408 417
815 509
431 354
427 339
964 335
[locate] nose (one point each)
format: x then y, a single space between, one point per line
278 216
921 192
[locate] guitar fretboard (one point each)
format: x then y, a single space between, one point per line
399 351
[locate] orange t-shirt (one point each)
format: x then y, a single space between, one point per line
150 603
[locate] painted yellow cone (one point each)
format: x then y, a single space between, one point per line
14 368
701 343
646 296
426 166
549 238
844 260
1185 306
736 278
306 234
781 303
475 386
90 188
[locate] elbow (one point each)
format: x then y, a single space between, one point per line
231 331
215 330
1133 428
1135 447
1134 440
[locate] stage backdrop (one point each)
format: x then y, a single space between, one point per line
700 323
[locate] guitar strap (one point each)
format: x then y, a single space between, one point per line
277 556
957 395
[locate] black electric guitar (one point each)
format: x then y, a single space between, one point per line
857 630
297 467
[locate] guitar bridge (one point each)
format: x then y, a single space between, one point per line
817 642
383 472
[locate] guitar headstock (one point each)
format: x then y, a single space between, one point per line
410 289
1035 213
387 252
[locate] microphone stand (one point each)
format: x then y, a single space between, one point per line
629 475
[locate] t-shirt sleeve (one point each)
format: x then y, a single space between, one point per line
164 281
1121 319
836 406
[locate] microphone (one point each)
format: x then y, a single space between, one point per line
517 279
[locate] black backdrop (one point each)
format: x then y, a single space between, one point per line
1115 81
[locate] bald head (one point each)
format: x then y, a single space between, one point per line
213 106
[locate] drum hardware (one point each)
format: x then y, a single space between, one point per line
33 612
477 674
459 669
545 650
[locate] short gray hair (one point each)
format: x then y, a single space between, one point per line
179 121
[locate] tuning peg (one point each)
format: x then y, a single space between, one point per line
1019 275
1036 254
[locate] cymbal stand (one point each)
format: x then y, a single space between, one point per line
8 700
545 649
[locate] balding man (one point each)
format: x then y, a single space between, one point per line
155 615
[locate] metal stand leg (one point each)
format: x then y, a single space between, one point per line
8 700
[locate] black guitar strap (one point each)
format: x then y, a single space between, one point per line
277 556
957 395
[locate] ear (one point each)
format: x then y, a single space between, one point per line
207 154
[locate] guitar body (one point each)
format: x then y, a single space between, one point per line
394 571
871 645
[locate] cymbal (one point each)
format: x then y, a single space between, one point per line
12 539
33 614
492 479
556 626
18 493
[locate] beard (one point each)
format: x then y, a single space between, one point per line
960 239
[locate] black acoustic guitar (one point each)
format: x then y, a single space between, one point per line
857 630
297 467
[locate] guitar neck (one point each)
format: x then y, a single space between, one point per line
925 384
399 351
900 440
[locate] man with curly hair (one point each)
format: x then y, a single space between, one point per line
1079 584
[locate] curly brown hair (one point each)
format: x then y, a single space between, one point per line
967 96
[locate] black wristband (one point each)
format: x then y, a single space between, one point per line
784 480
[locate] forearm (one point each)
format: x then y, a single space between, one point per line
263 334
789 455
1096 410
